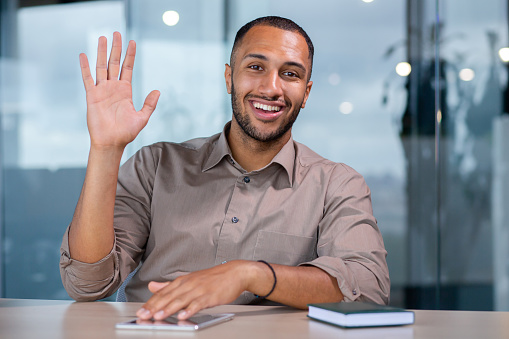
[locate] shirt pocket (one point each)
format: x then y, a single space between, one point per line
284 249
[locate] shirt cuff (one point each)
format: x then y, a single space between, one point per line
336 268
357 280
86 281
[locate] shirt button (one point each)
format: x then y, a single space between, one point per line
354 292
235 220
247 180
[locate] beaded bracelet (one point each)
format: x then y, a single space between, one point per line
275 280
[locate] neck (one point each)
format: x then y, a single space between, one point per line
252 154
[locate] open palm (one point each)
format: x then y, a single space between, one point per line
111 117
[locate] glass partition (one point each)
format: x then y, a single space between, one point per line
44 134
474 170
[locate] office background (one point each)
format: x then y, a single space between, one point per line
411 93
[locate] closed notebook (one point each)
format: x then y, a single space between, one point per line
360 314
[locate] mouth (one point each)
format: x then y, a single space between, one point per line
267 111
266 108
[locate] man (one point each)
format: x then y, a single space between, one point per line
242 216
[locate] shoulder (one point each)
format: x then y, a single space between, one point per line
190 148
192 145
306 157
170 155
336 175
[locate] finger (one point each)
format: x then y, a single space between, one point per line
88 81
101 68
157 301
193 308
116 52
156 307
167 300
170 309
150 103
128 64
154 286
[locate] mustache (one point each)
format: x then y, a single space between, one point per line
273 99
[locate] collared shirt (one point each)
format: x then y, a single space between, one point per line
189 206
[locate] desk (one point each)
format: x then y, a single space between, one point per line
66 319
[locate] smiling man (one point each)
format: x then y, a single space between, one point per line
244 216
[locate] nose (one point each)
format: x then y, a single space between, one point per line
271 85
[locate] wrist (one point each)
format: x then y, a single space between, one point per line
109 153
261 281
104 160
107 149
274 276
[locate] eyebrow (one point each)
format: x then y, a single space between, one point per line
288 63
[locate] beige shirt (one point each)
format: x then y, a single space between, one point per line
190 206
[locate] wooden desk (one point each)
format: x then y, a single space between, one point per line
65 319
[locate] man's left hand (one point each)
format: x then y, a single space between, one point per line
193 292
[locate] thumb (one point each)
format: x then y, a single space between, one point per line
150 103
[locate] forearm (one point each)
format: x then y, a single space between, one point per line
91 235
296 286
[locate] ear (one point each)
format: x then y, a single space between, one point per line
306 95
228 78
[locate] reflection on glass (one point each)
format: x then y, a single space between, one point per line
504 54
171 18
403 69
467 74
346 107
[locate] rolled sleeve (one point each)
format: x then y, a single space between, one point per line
350 246
88 281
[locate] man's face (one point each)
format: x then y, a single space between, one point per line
269 84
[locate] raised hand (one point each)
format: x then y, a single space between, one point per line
113 122
111 117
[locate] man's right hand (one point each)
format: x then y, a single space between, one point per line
111 117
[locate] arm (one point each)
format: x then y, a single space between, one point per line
296 286
350 246
113 123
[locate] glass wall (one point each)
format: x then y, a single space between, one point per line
410 93
474 190
44 134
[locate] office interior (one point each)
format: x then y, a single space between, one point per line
410 93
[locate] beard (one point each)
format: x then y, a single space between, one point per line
244 120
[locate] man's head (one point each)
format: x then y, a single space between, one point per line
277 22
268 78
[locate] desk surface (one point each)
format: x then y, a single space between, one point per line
65 319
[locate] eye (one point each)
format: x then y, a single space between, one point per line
255 67
291 74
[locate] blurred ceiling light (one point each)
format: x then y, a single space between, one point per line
171 18
334 79
403 69
504 54
367 1
346 107
467 74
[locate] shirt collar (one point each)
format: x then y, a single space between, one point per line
221 149
286 158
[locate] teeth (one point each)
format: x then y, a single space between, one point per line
267 107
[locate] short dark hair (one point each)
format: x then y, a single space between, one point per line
273 21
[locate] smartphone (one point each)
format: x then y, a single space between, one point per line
194 323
